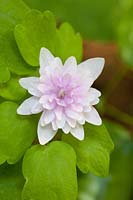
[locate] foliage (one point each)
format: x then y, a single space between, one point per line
93 152
118 184
50 171
62 42
11 181
16 133
94 19
97 20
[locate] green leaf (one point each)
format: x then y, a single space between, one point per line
16 133
94 19
93 152
14 10
50 172
68 43
118 184
11 13
12 90
11 181
37 30
4 74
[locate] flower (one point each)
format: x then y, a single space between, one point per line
63 94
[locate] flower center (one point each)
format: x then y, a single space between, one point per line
61 94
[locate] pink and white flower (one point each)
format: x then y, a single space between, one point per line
63 94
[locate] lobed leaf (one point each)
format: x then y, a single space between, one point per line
118 184
11 181
11 13
68 43
37 30
16 133
12 90
50 172
93 152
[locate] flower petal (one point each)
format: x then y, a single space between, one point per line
70 65
93 117
54 66
78 132
46 58
60 123
58 112
47 117
54 125
93 95
44 100
45 133
66 129
73 114
30 106
31 84
94 66
71 122
96 101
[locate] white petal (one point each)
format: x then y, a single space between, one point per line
44 100
31 84
93 117
82 122
93 95
60 123
37 108
96 101
45 133
94 66
78 132
55 65
58 112
71 122
54 125
46 58
87 108
66 129
47 117
30 106
70 65
77 107
94 92
73 114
